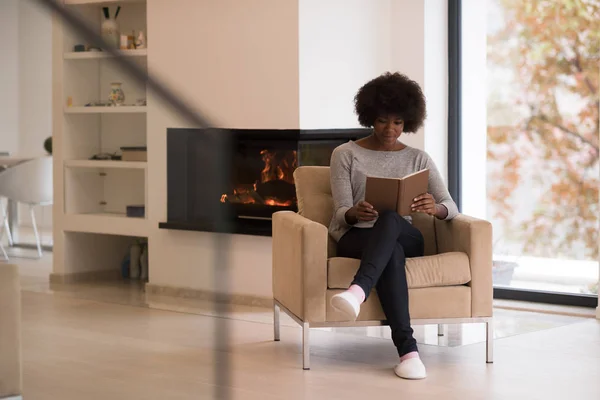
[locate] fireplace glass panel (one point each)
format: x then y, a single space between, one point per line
258 179
262 180
262 177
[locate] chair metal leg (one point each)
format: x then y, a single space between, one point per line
276 331
6 226
3 252
35 231
440 329
489 342
305 346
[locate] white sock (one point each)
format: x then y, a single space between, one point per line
358 292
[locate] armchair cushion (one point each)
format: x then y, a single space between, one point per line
424 303
446 269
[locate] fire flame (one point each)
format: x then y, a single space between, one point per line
276 169
277 166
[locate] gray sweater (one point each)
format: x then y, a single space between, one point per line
350 165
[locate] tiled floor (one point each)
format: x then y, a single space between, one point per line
108 340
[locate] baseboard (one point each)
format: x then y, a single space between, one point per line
207 295
32 246
554 309
89 276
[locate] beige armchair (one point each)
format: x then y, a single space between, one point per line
451 284
10 332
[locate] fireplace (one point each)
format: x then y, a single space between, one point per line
256 174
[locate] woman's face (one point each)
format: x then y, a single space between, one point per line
387 129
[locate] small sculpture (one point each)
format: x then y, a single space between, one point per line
140 42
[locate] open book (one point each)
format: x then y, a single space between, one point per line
396 193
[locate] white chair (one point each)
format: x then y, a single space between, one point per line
29 183
2 249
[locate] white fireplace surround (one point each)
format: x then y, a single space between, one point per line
294 70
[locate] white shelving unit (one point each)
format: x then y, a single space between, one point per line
97 55
106 224
105 110
105 164
101 2
92 196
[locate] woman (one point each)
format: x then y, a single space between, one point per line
391 104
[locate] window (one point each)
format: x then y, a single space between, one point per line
529 134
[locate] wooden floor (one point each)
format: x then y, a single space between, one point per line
77 348
109 341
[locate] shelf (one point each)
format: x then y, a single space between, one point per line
109 224
97 55
99 2
105 110
115 164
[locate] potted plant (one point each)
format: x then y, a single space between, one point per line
502 270
48 145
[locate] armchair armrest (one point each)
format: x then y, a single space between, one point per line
300 265
474 237
10 331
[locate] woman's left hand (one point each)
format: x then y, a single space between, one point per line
424 203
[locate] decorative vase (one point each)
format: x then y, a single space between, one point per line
48 145
144 263
117 96
110 32
134 261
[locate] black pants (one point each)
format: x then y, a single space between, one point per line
383 250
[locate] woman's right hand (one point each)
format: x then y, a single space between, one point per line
363 211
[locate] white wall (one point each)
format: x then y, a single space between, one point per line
9 76
343 44
419 49
26 82
278 64
238 61
35 91
35 78
436 82
25 78
407 19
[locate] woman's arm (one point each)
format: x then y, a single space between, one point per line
341 187
445 207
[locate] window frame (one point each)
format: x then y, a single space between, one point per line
455 162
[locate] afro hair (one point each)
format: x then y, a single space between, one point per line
391 94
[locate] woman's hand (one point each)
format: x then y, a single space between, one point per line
424 203
363 211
